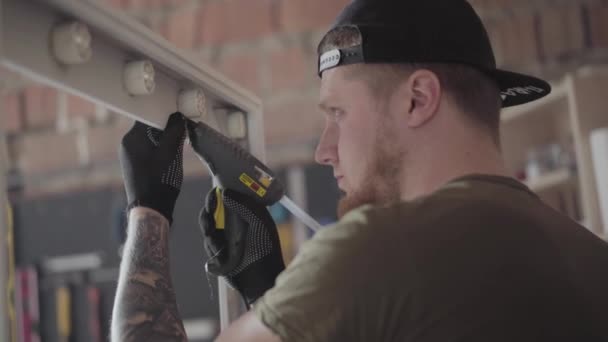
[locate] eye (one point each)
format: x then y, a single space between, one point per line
336 114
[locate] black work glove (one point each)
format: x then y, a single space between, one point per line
152 165
246 251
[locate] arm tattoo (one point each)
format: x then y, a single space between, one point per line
145 307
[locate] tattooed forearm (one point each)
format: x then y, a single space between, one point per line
145 308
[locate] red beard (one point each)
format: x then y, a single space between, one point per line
381 184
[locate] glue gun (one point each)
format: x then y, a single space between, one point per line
236 169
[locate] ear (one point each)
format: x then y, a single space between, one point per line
425 95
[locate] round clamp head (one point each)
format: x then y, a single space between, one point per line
138 77
236 125
71 43
192 103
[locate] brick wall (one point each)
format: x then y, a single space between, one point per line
268 46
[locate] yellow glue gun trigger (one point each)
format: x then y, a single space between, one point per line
219 215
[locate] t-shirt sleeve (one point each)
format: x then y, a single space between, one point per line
315 295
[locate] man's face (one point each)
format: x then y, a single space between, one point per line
360 141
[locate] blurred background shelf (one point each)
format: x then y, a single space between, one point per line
552 180
559 92
577 106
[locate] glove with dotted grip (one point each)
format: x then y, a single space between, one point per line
242 242
152 165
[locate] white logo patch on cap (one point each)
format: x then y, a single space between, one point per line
329 59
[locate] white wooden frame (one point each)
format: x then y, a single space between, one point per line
25 27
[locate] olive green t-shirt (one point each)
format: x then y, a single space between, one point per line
481 259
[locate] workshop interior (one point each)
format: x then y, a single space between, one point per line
75 75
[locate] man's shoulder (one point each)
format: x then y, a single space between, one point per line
456 205
411 214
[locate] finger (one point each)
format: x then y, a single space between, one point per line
211 200
137 132
213 240
230 246
137 142
213 266
191 127
206 220
246 200
235 241
139 126
216 253
214 244
241 204
246 207
175 133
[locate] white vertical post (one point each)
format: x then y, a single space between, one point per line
4 323
231 305
296 187
5 328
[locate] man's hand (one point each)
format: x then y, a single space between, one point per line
242 242
152 165
145 308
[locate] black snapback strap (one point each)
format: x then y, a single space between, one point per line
337 57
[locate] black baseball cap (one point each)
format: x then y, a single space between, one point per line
427 31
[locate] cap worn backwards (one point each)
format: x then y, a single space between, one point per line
429 31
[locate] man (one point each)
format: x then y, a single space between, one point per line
435 243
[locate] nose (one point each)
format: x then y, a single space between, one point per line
327 151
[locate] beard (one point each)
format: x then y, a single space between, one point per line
381 183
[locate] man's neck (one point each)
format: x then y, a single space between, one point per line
451 164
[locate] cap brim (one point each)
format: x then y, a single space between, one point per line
516 89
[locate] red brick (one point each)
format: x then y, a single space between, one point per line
40 106
179 27
292 121
118 4
104 141
48 152
561 31
250 19
78 107
211 24
12 120
151 4
290 68
243 68
173 2
142 4
598 22
302 15
234 20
